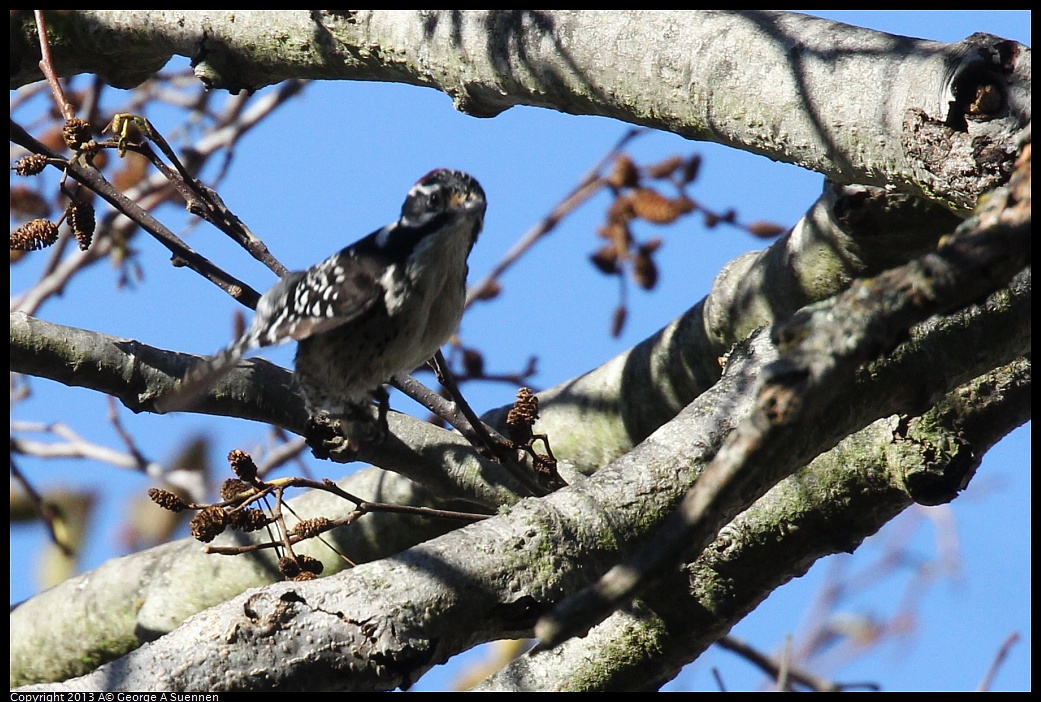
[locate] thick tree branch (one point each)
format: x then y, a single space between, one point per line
258 390
136 374
850 232
854 104
47 357
140 597
821 346
828 507
488 580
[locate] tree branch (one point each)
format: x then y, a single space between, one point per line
850 232
830 506
815 93
481 582
821 346
136 374
141 597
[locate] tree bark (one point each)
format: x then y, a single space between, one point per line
856 105
909 134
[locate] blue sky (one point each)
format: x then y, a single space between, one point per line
335 163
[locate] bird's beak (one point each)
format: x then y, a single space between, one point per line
468 202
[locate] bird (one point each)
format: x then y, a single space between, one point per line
381 306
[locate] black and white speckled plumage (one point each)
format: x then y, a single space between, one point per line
383 305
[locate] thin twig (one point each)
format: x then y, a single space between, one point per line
47 67
590 184
820 348
486 436
794 674
202 201
288 450
184 254
231 125
999 660
74 446
128 440
47 512
459 414
290 537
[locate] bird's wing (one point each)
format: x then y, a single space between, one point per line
337 291
334 292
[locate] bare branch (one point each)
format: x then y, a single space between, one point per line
831 90
821 347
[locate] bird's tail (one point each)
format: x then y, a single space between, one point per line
202 376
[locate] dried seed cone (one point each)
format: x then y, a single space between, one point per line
167 500
208 524
34 235
243 465
76 133
81 218
30 165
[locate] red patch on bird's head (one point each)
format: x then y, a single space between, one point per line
432 175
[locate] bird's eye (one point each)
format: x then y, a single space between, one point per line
434 200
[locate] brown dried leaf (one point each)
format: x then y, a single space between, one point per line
624 174
28 202
619 235
473 363
606 260
684 205
618 320
691 168
621 209
765 230
651 245
645 272
135 167
666 168
653 206
489 290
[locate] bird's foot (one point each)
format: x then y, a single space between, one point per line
340 437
